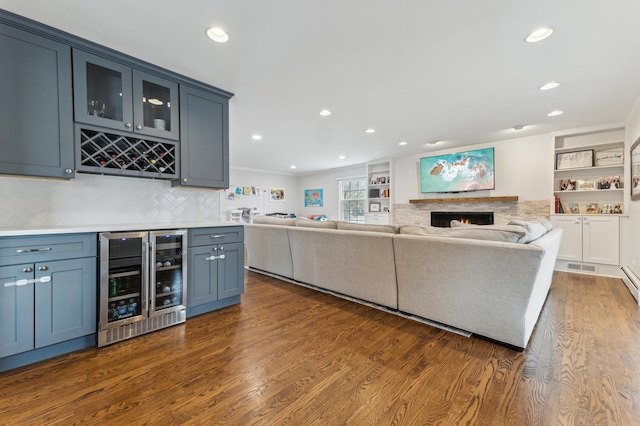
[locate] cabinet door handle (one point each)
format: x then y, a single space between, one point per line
211 258
68 171
42 268
127 125
222 256
138 127
27 269
33 250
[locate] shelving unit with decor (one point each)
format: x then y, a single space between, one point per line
379 200
588 189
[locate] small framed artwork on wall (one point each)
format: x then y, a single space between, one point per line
276 194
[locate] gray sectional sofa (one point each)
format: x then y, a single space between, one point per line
488 280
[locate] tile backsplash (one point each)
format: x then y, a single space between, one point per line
96 199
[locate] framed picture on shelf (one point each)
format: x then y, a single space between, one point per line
635 170
592 208
609 157
587 184
374 207
574 160
617 209
606 209
609 182
574 208
567 185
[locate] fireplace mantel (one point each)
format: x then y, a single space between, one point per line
464 200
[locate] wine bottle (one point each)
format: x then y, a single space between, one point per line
101 160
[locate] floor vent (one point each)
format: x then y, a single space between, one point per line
579 267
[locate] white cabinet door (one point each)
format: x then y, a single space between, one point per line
571 245
601 241
376 218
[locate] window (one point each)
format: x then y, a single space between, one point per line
352 199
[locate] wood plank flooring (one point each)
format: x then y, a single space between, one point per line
288 355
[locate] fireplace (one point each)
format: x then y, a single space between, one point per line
443 219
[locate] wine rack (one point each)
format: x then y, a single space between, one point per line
125 155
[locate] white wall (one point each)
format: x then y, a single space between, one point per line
633 207
240 177
328 181
523 167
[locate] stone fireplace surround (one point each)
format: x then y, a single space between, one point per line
503 211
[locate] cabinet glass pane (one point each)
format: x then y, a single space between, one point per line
104 92
156 106
169 264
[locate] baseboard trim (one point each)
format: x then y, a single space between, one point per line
632 282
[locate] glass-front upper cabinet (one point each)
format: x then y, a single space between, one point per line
113 95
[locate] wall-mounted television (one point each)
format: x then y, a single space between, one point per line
459 172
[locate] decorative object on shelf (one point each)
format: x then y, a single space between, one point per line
574 160
609 157
606 208
574 208
635 170
587 184
276 194
374 207
568 185
313 197
96 107
592 208
385 193
385 209
617 208
374 193
609 182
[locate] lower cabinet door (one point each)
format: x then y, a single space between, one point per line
203 275
65 300
231 270
16 309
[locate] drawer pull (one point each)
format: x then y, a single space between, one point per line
217 236
33 250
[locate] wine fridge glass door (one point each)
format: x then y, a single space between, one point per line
123 278
168 271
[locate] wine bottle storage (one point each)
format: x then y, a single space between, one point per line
112 153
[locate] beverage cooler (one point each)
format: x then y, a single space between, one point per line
143 284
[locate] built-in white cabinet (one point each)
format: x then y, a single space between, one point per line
589 238
379 201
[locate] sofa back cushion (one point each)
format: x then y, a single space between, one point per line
504 233
348 226
272 220
535 228
308 223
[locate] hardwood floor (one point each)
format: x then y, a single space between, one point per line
291 355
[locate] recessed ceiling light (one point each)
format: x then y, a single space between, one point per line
292 166
549 86
433 143
554 113
342 157
403 143
325 112
518 127
256 137
217 34
539 34
369 131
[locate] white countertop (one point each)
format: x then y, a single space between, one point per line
75 229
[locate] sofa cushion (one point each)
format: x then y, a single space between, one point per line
504 233
272 220
534 229
308 223
349 226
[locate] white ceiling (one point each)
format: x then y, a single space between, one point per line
414 70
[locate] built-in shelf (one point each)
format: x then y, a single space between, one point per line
465 200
